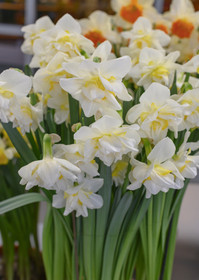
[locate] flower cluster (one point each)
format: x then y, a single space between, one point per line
117 81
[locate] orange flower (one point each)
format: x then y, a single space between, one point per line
132 11
162 27
96 37
182 28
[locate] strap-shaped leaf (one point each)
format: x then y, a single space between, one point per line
20 200
21 146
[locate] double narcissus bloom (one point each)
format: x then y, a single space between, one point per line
108 140
80 197
64 37
154 66
143 35
160 173
156 113
33 32
98 83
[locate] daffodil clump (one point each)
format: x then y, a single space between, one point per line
117 93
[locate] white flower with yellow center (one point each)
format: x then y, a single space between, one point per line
108 140
190 104
64 37
46 81
154 66
80 197
142 35
159 174
156 113
13 85
75 154
6 153
50 172
97 84
128 11
26 116
34 31
187 164
98 28
119 170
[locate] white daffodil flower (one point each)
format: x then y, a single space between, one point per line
97 84
26 116
50 173
75 154
108 140
46 81
128 11
80 197
33 32
119 170
64 37
13 86
6 153
160 174
187 164
190 104
184 28
192 66
183 17
98 28
156 113
143 35
154 66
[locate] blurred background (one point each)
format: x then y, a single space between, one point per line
16 13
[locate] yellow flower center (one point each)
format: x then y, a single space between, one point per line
161 171
6 93
96 82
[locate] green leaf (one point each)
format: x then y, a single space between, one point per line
102 215
59 255
48 243
19 143
20 200
113 234
74 110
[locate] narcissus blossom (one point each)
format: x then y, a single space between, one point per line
26 116
108 139
80 197
154 66
190 104
156 113
143 35
98 84
34 31
13 86
75 154
119 170
64 37
50 172
183 17
159 174
98 28
192 66
187 164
